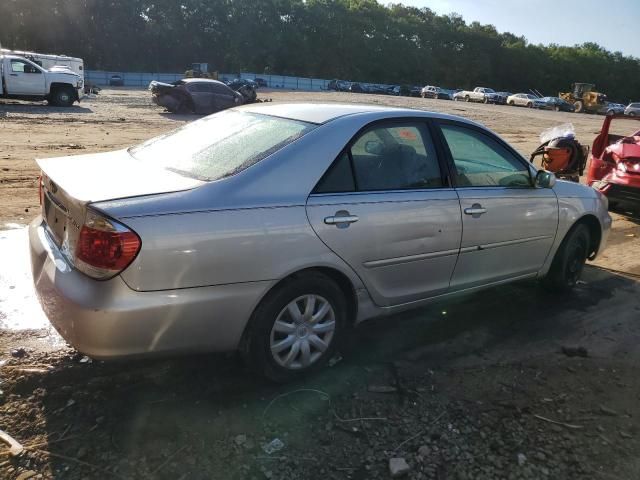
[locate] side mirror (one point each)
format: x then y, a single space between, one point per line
545 179
373 147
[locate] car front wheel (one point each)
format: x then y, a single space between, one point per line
569 260
296 328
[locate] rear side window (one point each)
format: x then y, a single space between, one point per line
221 89
220 145
481 161
396 156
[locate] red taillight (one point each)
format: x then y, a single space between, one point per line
105 247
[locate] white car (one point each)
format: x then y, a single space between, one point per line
525 100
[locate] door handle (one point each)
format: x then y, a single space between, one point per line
476 209
341 220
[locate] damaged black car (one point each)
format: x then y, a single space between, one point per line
196 95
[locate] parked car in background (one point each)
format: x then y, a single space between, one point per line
339 85
435 92
237 83
246 234
195 95
458 96
261 82
525 100
614 169
246 88
415 90
557 104
611 108
633 110
116 81
22 79
500 98
357 88
478 94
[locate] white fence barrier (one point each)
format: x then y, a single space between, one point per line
142 80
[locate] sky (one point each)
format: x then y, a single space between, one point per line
613 24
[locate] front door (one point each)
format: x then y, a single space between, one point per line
24 78
508 225
386 208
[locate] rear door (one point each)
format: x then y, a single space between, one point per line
23 78
224 96
508 225
386 207
202 96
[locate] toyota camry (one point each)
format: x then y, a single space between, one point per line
271 229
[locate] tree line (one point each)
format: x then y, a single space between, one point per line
358 40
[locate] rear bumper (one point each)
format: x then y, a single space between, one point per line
107 319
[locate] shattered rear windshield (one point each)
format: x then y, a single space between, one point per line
220 145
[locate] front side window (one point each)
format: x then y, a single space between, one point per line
394 157
20 66
481 161
220 145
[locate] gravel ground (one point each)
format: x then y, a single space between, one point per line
490 387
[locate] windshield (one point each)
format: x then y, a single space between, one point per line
220 145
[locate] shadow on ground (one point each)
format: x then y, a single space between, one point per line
188 417
39 108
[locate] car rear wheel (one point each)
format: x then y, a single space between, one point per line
511 103
296 328
569 261
466 99
530 105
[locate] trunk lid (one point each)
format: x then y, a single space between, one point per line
70 183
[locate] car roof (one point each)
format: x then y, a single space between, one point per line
203 80
325 112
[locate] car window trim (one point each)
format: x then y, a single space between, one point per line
445 176
525 164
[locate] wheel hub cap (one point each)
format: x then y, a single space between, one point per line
302 332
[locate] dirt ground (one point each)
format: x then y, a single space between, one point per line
493 386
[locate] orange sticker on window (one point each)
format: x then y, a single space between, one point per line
408 134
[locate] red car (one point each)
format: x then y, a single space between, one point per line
615 164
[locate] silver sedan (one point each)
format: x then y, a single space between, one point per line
272 229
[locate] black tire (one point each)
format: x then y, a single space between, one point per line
632 114
530 105
62 97
511 103
256 348
486 100
569 260
556 108
578 106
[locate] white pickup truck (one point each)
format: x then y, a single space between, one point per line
22 79
479 94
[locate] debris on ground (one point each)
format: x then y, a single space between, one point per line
572 351
15 447
604 410
398 467
382 389
273 446
19 352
